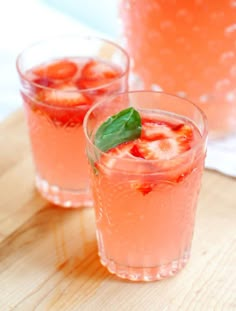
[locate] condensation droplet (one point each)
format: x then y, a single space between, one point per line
229 55
156 87
230 29
204 98
181 94
231 96
55 189
233 3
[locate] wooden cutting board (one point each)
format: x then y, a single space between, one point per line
48 255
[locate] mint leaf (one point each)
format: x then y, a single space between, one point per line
119 128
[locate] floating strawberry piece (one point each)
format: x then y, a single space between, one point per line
62 69
99 71
64 95
163 149
144 188
154 130
96 74
169 151
110 160
136 152
184 132
63 104
90 84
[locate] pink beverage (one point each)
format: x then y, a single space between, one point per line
57 92
146 189
187 48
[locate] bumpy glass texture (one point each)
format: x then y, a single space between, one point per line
145 209
187 48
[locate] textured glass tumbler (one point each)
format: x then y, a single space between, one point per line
145 209
61 78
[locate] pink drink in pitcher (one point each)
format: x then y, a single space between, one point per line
187 48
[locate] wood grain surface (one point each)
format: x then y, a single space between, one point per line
48 255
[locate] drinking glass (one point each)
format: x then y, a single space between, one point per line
61 78
145 209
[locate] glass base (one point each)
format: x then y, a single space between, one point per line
63 197
146 274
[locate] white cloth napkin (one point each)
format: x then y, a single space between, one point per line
221 155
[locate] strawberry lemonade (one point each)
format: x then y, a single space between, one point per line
57 92
146 164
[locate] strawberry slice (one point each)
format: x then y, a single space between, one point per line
152 130
61 69
64 104
94 70
110 159
64 95
96 74
184 133
168 150
163 149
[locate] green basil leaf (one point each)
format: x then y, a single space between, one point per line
119 128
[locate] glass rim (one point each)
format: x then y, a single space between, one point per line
201 141
82 37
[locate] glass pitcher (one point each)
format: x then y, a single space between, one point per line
187 48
